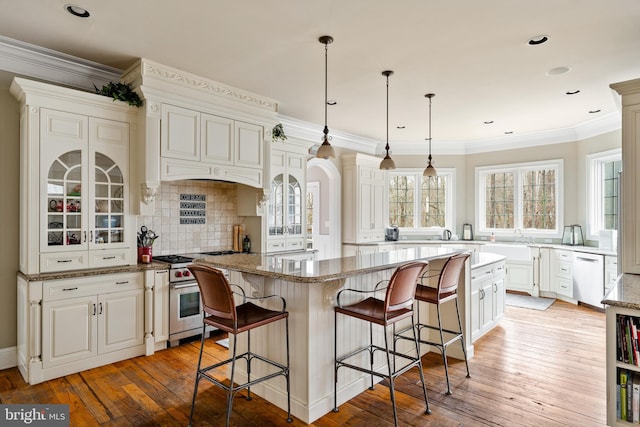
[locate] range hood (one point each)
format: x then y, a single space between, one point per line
191 127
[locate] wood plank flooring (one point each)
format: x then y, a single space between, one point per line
537 368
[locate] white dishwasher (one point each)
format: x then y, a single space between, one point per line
588 278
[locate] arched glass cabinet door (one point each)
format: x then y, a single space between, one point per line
276 206
64 201
109 202
294 206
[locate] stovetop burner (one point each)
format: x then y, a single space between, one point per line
173 259
219 253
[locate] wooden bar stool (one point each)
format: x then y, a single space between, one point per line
220 311
446 290
397 305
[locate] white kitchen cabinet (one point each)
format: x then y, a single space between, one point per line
520 277
487 298
76 323
610 271
541 269
286 217
196 144
75 180
562 272
630 235
364 199
160 306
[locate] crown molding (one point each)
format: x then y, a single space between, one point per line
149 73
45 64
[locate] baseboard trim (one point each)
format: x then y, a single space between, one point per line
8 357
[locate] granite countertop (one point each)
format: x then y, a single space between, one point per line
625 292
306 271
585 249
480 259
94 271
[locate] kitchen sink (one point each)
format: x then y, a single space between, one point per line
513 251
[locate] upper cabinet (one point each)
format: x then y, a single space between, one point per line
195 144
364 199
630 91
287 208
196 128
74 179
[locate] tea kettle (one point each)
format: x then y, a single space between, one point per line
446 234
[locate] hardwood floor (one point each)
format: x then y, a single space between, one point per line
537 368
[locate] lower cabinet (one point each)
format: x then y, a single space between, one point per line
487 298
67 325
562 272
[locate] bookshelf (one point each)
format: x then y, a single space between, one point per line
623 366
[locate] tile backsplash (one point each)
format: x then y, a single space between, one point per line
176 238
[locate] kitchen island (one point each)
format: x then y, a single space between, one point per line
310 289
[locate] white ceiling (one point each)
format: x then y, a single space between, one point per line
473 55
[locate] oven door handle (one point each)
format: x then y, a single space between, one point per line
186 285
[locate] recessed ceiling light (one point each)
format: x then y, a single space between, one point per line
593 111
509 132
488 122
400 127
331 102
534 41
558 70
572 92
78 11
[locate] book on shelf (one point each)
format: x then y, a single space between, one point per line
623 394
635 401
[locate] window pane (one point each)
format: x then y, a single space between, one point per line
499 200
433 207
610 193
401 200
539 199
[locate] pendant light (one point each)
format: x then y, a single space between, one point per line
326 150
387 163
429 171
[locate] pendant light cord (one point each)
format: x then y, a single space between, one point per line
326 129
387 147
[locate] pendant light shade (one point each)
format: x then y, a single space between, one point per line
326 150
387 163
429 171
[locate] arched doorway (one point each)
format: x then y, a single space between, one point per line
324 200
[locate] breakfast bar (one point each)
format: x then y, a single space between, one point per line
310 288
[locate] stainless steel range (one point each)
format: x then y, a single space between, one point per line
185 305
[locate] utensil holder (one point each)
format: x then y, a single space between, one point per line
145 255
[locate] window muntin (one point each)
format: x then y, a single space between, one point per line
603 191
426 205
523 197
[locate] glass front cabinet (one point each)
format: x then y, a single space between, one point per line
74 185
85 162
286 214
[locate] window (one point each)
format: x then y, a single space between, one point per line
520 197
417 202
602 195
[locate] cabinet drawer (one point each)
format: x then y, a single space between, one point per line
52 262
564 287
109 258
482 273
53 290
276 246
295 244
499 270
563 270
561 255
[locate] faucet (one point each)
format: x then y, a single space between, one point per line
518 233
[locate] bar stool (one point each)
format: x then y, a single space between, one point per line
397 305
446 290
220 311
